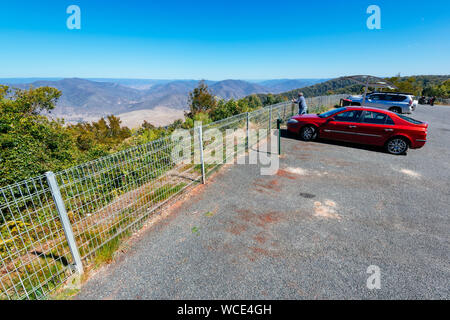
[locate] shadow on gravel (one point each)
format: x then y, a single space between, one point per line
286 134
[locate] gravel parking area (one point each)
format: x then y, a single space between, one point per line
309 232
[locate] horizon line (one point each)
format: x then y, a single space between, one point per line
56 78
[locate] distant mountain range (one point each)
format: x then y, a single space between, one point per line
90 99
283 85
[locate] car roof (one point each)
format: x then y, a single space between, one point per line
394 93
371 109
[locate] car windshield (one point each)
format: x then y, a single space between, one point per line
409 119
331 112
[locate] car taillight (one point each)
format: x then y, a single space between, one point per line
410 102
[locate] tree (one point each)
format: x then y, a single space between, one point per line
31 144
254 102
270 99
202 117
201 100
224 109
147 125
409 85
177 124
105 134
30 101
441 91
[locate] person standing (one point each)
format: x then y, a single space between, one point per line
302 107
432 100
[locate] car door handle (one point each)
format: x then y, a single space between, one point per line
389 130
352 127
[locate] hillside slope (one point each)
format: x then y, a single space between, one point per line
87 100
236 89
340 85
283 85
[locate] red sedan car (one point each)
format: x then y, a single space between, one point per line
362 125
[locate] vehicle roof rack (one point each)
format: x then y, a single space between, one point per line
372 82
411 94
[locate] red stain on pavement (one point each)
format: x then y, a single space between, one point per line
257 252
260 238
272 185
286 174
236 228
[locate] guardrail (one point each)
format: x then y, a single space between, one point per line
53 225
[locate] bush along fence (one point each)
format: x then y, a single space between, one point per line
54 225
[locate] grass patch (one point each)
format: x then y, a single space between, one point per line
165 192
66 294
38 284
106 253
198 167
209 214
195 230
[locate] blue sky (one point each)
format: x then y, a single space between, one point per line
223 39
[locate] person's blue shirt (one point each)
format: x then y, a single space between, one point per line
302 107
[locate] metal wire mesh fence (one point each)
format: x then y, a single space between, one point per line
53 223
443 101
315 104
34 255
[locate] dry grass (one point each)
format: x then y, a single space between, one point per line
160 116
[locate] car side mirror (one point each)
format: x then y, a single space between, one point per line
330 119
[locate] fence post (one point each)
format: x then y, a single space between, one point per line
270 119
56 193
202 160
248 131
279 135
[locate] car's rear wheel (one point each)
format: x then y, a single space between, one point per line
308 133
397 146
396 109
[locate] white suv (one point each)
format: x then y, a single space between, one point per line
392 101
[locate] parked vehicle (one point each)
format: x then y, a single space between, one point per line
392 101
345 102
425 100
370 126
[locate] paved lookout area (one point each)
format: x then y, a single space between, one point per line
309 232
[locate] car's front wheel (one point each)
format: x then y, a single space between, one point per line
397 146
308 133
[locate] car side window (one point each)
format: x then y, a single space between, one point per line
348 116
399 98
395 97
374 117
389 120
377 97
